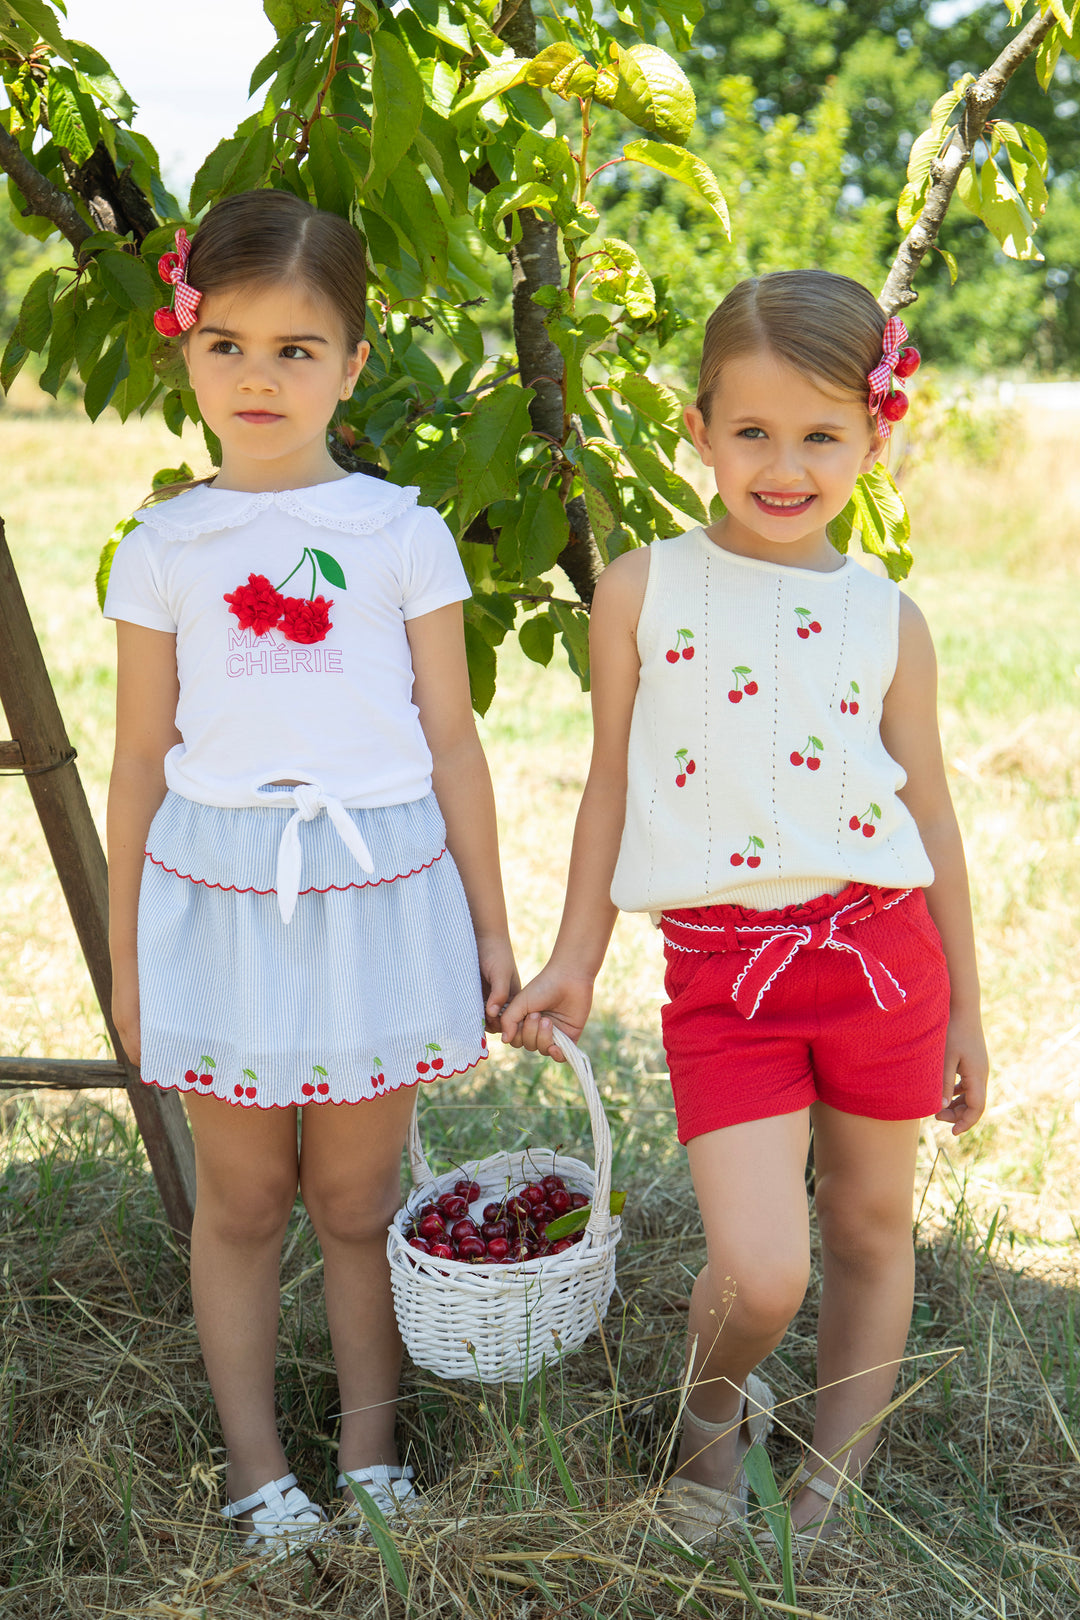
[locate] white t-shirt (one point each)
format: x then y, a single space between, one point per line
255 705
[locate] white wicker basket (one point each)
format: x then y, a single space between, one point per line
498 1323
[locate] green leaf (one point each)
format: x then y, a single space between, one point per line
285 15
654 93
416 215
620 277
397 92
171 475
490 437
576 1220
61 344
15 357
68 120
681 165
105 378
650 399
91 330
129 281
543 532
329 169
1005 214
40 17
877 513
575 341
35 315
108 551
573 622
482 662
330 568
562 69
492 82
240 163
666 483
537 638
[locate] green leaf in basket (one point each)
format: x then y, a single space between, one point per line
576 1220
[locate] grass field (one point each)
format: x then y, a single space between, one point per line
109 1458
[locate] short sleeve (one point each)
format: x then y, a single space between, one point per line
432 574
135 592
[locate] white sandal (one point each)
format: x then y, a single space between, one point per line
390 1488
698 1512
284 1519
832 1528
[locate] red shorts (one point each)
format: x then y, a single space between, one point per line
843 1000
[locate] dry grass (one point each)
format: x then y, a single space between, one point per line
110 1460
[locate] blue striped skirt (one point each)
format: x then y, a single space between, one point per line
372 985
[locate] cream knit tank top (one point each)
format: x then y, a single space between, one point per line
756 771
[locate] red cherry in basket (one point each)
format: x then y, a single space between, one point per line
428 1209
432 1226
442 1251
418 1243
493 1229
559 1201
498 1248
453 1206
533 1194
465 1228
561 1246
579 1201
470 1248
521 1251
553 1183
493 1212
469 1190
518 1208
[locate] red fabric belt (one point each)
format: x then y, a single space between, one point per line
773 946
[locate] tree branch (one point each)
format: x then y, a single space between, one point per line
41 195
980 100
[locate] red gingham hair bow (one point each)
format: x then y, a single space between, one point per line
170 322
885 404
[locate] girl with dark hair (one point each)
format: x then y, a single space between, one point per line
307 912
767 782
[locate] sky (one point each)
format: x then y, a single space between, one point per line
187 66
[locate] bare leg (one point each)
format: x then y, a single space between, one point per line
751 1192
865 1172
350 1178
246 1169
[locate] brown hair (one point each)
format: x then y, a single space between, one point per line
269 236
826 326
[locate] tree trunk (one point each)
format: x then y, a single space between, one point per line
535 263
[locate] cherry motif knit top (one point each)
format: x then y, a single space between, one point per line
756 771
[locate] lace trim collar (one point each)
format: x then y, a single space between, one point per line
357 504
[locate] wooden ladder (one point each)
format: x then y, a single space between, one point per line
40 751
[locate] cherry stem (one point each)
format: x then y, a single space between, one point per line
296 570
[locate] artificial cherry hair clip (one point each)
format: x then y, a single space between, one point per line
887 403
172 320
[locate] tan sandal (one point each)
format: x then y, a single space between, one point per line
833 1528
697 1512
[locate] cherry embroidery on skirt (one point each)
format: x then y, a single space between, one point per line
319 1085
432 1059
260 606
378 1077
205 1075
247 1091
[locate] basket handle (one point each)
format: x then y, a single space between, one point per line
599 1223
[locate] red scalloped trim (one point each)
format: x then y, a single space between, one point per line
335 888
308 1102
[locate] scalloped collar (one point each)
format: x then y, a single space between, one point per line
357 504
